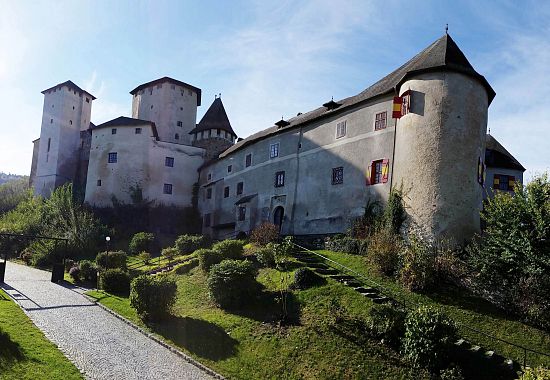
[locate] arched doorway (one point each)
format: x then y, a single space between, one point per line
278 216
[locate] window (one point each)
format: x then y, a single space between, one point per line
181 108
177 136
51 121
207 220
248 160
49 143
113 158
151 106
229 168
209 133
180 124
150 92
113 131
209 177
274 150
98 182
138 131
167 188
218 132
279 179
504 182
378 172
380 121
226 192
169 161
338 175
406 106
73 107
242 213
240 187
70 122
341 129
87 100
209 193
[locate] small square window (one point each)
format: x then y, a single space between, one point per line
338 175
341 129
113 131
180 124
209 177
181 108
242 213
51 121
177 136
226 192
167 188
98 182
209 193
229 168
87 100
380 121
248 160
138 131
113 158
274 150
240 188
280 179
376 173
169 161
207 220
151 106
70 122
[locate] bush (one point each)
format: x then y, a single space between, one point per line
282 251
88 270
111 260
187 244
69 263
115 281
452 373
264 234
232 282
145 257
266 256
429 338
384 249
207 258
347 245
305 278
230 249
142 241
153 296
394 213
186 267
418 265
387 323
26 256
169 253
538 373
74 272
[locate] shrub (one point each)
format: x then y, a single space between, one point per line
169 253
230 249
264 234
69 263
347 245
142 241
387 323
394 213
538 373
207 258
187 244
153 296
111 260
384 249
74 272
26 256
418 265
186 267
266 256
145 257
282 251
305 278
232 282
451 373
115 281
429 338
88 270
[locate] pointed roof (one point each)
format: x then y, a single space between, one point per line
442 55
496 156
215 118
70 85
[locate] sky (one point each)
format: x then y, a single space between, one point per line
267 58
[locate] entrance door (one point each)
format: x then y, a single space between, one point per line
278 216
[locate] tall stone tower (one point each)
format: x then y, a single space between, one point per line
66 112
440 140
171 105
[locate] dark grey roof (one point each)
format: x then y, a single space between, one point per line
123 121
69 84
246 199
169 80
496 156
442 55
214 118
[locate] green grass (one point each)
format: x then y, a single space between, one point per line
24 351
136 266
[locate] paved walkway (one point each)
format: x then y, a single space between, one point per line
101 346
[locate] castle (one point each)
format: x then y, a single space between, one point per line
422 129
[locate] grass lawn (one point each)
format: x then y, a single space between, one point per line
136 266
24 351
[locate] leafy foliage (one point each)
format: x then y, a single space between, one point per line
305 278
169 253
266 256
264 234
347 245
387 323
384 250
153 296
538 373
429 338
75 273
232 282
88 270
145 257
111 260
142 241
14 192
418 265
394 213
230 249
207 258
115 281
187 244
186 267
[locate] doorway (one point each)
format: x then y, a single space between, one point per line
278 216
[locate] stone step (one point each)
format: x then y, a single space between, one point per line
363 290
352 283
380 300
341 278
308 259
476 349
371 295
463 343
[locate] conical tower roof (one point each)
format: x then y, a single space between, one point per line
215 118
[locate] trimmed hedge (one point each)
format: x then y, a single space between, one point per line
207 258
88 270
232 282
266 256
305 278
114 281
142 241
186 267
187 244
153 296
111 260
230 249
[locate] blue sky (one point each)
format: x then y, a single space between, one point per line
267 58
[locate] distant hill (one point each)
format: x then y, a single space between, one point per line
9 177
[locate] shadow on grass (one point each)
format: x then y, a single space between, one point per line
200 337
268 307
10 351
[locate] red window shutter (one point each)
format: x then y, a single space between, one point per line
369 175
385 170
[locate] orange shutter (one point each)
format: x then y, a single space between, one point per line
385 170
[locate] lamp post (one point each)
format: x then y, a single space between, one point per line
107 242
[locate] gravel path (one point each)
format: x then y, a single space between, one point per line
100 345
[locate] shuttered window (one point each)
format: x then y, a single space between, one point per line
378 172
